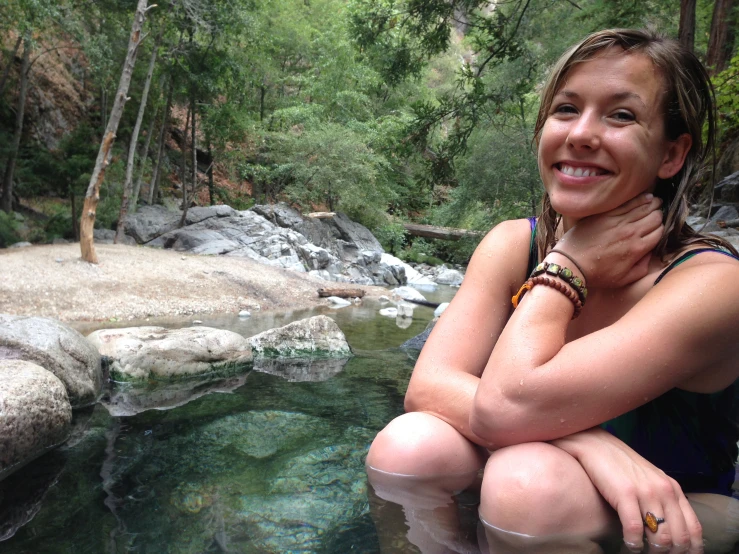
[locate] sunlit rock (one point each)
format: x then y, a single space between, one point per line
140 353
58 349
35 414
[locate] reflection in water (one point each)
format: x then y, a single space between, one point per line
414 514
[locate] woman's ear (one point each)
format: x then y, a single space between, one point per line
675 156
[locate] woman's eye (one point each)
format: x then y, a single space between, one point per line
623 116
564 109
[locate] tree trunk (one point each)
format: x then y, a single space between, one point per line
128 183
6 202
686 32
11 63
721 39
160 147
92 197
194 172
183 159
211 184
142 161
75 228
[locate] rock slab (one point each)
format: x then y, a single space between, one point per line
58 349
315 336
35 414
140 353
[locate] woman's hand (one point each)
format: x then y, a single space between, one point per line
613 248
633 487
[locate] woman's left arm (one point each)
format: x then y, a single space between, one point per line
537 387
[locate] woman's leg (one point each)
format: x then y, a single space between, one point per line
420 462
536 497
719 517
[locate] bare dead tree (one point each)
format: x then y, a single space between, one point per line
128 183
92 197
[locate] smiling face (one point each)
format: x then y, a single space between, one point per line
603 141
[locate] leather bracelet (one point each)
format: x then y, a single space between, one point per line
577 265
564 273
555 284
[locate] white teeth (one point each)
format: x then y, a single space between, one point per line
579 172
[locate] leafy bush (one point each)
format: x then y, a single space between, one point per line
392 237
8 230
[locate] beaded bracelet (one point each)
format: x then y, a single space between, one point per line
564 273
555 284
577 265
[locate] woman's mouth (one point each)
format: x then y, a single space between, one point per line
590 171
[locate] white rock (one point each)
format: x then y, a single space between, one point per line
338 302
440 309
307 337
389 312
244 313
449 277
407 293
144 352
403 322
405 309
36 413
383 299
197 322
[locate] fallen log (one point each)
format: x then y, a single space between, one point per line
434 232
733 223
341 293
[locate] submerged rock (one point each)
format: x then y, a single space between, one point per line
58 349
128 400
315 336
35 414
140 353
301 369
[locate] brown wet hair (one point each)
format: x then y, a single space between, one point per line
689 105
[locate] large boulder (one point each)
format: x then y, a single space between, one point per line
57 348
315 336
141 353
150 222
35 415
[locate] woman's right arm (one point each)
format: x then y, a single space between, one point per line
448 370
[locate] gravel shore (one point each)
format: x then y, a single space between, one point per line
135 282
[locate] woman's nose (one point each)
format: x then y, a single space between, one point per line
585 132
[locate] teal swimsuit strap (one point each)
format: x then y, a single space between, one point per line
689 254
533 251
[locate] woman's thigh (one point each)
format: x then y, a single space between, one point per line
538 490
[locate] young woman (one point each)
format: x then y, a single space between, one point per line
605 399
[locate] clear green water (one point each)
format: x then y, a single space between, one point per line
272 466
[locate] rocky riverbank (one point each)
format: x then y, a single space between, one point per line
133 282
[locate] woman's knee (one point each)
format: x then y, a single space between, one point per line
538 489
420 444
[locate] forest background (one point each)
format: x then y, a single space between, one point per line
392 111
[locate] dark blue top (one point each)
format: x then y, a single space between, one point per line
690 436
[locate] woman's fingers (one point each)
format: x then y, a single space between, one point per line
637 201
695 530
632 523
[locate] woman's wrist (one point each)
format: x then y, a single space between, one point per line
564 261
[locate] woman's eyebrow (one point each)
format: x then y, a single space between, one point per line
614 96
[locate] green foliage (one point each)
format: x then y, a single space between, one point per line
392 236
726 85
8 230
